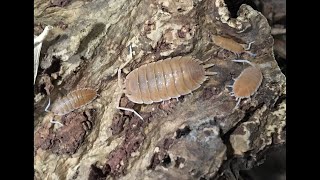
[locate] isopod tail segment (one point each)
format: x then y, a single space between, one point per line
247 83
52 118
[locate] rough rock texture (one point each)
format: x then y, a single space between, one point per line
197 136
275 12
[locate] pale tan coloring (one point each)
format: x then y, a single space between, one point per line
163 80
72 101
247 83
231 45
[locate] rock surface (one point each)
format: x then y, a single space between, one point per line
197 136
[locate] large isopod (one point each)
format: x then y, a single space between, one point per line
72 101
164 79
247 83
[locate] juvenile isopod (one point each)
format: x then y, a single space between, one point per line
72 101
231 45
162 80
247 83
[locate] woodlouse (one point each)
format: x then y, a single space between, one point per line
247 83
72 101
163 80
231 45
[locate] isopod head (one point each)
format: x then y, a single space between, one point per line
132 87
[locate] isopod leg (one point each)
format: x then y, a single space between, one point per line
237 55
201 62
243 61
237 105
207 66
251 54
127 109
210 73
205 60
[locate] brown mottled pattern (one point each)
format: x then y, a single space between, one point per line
164 79
248 82
73 100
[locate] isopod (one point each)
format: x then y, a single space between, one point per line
164 79
231 45
247 83
72 101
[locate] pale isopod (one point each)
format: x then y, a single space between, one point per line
163 80
231 45
247 83
72 101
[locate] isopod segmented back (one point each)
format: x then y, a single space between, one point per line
227 43
73 100
164 79
248 82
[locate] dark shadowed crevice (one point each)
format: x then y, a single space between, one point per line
273 166
55 66
166 161
178 161
96 173
154 161
234 5
226 137
183 132
282 64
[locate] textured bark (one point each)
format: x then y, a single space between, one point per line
198 136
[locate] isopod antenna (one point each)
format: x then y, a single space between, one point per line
120 84
243 61
52 119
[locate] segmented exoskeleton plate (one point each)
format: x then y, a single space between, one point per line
74 100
